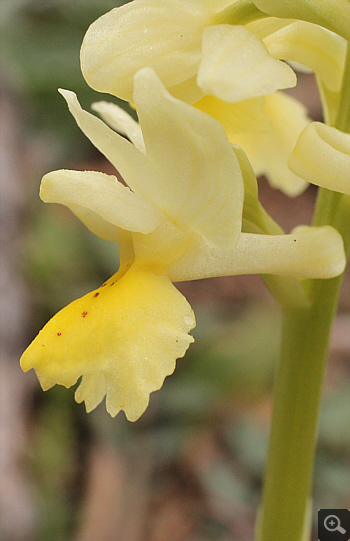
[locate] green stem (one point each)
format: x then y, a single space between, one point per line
297 395
343 117
298 384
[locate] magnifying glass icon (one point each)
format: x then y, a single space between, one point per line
332 524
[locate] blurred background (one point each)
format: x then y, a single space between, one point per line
191 468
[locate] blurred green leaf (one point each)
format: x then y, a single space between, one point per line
237 358
55 466
39 46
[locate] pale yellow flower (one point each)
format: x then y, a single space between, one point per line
225 68
184 43
268 128
179 219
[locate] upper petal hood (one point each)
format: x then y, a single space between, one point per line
199 182
189 172
163 34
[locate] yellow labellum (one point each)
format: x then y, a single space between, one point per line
123 338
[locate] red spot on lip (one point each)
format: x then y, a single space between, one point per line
59 334
104 284
112 284
96 294
84 314
43 345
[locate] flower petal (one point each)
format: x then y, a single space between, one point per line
121 121
240 117
269 151
307 252
163 34
334 15
97 225
199 184
268 25
237 66
322 157
126 335
187 91
92 390
128 160
102 194
313 46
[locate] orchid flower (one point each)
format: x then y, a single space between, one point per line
204 53
179 219
272 124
